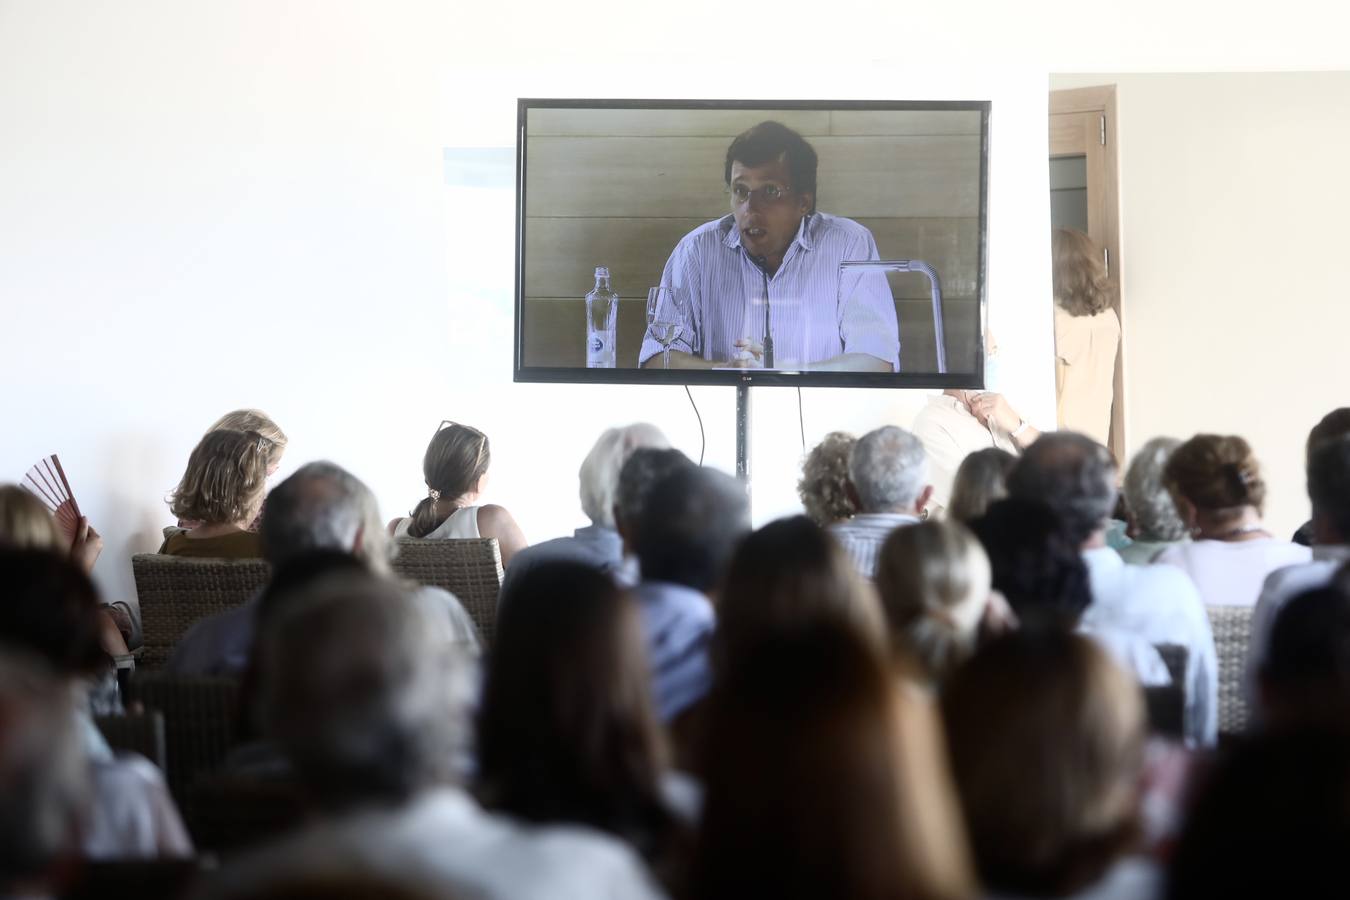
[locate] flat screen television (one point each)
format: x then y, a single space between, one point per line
803 243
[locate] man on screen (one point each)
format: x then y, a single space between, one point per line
761 286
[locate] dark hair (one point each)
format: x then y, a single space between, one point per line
1074 475
788 576
566 728
1035 565
689 527
1335 424
768 141
50 609
1046 735
638 475
1329 484
1216 473
814 785
1272 820
457 457
1306 671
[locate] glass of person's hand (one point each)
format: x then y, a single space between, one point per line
665 318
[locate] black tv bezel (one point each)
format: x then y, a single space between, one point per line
893 380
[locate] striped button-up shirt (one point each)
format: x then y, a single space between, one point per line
813 315
862 537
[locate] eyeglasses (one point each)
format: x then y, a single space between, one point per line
769 193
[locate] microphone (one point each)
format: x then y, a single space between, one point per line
760 262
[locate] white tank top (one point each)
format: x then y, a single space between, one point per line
462 523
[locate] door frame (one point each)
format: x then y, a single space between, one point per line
1070 135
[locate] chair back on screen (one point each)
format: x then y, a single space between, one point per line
174 592
1232 632
469 568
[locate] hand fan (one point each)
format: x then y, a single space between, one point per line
47 481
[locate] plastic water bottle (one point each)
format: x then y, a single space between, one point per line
602 319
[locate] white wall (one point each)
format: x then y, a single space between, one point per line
205 205
1233 196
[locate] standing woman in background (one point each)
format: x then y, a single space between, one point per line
455 468
1087 335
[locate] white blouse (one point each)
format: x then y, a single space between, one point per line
462 523
1230 573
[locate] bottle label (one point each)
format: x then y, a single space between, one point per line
599 352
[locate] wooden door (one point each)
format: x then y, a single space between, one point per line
1083 125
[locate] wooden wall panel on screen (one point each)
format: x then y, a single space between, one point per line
726 123
682 177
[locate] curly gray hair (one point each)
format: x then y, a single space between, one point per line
889 469
1147 498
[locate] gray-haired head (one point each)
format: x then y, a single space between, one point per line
322 506
44 775
1072 474
1147 498
643 469
362 690
600 469
889 470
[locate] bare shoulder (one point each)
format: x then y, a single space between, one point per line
492 515
393 525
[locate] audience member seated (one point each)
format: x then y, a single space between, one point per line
1040 573
51 613
566 729
981 479
44 777
1046 736
1271 821
257 421
956 423
222 491
888 477
823 487
687 529
1076 477
455 468
1305 677
825 778
1152 522
639 473
935 588
786 577
320 507
1217 486
1329 492
26 524
365 698
598 544
1333 425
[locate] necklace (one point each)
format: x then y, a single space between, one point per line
1240 531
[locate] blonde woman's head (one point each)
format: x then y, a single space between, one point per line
934 582
259 421
25 523
226 479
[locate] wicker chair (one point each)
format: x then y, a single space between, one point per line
1167 704
471 569
1232 632
141 733
200 724
175 592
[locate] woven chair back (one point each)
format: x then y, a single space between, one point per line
469 568
201 717
175 592
1232 632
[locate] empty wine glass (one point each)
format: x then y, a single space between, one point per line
665 318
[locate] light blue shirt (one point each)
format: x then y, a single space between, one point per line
593 545
1161 605
677 623
812 315
862 537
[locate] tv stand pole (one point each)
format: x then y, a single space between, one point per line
743 434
